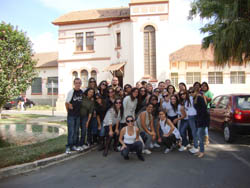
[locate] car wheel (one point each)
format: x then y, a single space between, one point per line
228 133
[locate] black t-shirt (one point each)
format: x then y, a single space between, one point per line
76 103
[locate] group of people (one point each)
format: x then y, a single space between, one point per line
137 119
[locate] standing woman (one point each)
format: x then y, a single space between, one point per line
208 95
111 97
182 87
103 89
149 88
129 139
202 118
86 110
142 99
100 108
145 123
170 134
119 92
111 125
129 105
171 109
92 84
127 89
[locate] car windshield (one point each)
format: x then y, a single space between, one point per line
243 102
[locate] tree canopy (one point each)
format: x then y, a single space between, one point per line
228 30
16 63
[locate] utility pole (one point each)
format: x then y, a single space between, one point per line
52 97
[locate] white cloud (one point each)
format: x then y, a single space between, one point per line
45 42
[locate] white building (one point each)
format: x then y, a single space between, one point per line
128 42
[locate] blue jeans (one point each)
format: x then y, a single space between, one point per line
94 126
183 131
73 123
102 131
192 124
81 142
201 134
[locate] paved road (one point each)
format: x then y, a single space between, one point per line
224 166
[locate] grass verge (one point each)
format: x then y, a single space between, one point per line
19 118
28 153
41 107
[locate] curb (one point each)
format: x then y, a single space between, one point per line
36 165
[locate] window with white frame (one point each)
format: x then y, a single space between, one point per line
118 40
174 78
93 74
79 41
237 77
53 85
215 77
84 78
192 77
89 41
36 86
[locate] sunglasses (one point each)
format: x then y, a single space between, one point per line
165 95
182 93
118 103
191 92
104 85
130 121
157 91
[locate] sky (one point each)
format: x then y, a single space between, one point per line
34 17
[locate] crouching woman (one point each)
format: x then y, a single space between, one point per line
167 133
129 138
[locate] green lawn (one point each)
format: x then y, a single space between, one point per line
28 153
19 118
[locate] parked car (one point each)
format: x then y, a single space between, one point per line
231 113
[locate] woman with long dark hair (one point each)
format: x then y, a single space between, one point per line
110 98
111 125
142 99
202 119
103 89
129 139
127 89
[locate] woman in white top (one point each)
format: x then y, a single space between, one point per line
129 138
170 134
111 125
129 105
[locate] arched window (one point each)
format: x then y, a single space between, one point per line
94 74
74 75
84 78
149 51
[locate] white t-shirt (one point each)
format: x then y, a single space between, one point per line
169 109
191 111
166 128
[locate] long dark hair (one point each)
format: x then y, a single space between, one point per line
87 90
182 101
174 106
131 94
105 91
182 83
141 98
121 109
168 89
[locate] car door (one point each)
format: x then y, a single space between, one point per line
213 109
222 111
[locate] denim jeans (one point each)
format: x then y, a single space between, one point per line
147 139
192 125
73 123
183 131
81 142
201 134
135 147
102 131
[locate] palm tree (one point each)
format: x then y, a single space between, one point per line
228 30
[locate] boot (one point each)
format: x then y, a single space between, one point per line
101 146
106 146
115 143
206 140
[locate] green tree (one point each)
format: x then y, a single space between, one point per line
228 29
17 68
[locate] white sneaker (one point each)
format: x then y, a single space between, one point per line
68 151
74 148
157 145
167 150
188 146
119 148
85 147
79 148
146 151
182 148
151 146
194 150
